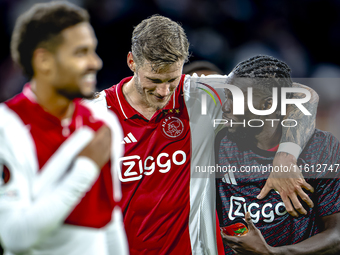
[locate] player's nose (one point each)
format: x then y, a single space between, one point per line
95 62
163 89
227 106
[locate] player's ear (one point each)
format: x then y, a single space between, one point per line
131 63
42 61
267 103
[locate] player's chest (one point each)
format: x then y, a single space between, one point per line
239 199
48 136
155 147
168 128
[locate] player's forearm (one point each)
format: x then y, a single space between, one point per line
22 229
301 133
326 242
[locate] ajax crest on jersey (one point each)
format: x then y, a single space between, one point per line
172 127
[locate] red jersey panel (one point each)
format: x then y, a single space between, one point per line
155 174
48 133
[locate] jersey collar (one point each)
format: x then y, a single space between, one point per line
27 91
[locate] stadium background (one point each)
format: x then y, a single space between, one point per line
303 33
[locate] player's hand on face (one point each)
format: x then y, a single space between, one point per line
288 184
250 243
99 148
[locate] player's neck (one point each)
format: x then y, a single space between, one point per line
269 137
136 100
50 101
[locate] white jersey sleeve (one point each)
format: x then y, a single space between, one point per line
208 91
25 218
115 232
115 235
202 183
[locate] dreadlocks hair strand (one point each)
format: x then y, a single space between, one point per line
265 70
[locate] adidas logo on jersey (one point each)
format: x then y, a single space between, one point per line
229 178
129 139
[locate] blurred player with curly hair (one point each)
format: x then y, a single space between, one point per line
58 158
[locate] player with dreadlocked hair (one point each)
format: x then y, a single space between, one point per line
271 229
263 73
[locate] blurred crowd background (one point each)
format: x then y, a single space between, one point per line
303 33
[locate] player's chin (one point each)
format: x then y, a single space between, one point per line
231 130
87 92
80 94
157 104
161 105
88 95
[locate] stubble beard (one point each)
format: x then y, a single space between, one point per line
71 95
244 136
68 89
140 91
